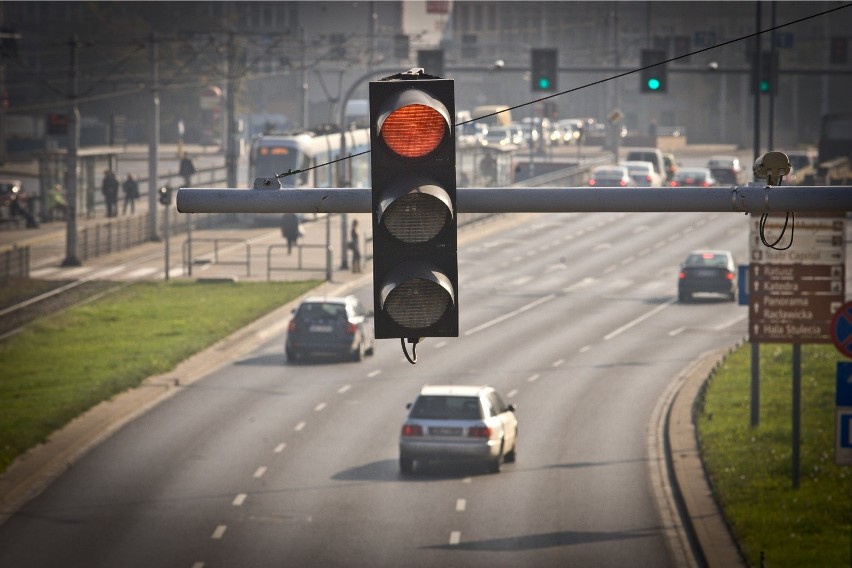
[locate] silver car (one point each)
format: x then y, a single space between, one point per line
458 423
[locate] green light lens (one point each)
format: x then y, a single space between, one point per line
653 84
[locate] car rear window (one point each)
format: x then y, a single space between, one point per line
707 259
436 407
317 311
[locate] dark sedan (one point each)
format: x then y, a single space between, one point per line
707 271
330 326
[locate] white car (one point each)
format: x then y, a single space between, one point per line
458 423
643 174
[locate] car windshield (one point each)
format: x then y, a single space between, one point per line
447 408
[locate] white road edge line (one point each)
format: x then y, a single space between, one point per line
729 323
639 320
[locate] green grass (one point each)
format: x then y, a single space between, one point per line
62 365
751 468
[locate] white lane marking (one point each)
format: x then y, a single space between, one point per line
300 426
601 246
558 363
260 472
533 378
511 393
581 284
729 323
609 269
677 331
239 500
198 565
467 480
320 407
440 344
461 505
345 388
219 532
109 271
511 314
627 260
585 348
280 448
142 272
639 320
455 537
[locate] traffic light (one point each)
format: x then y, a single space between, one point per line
653 78
431 61
767 81
165 195
415 271
544 72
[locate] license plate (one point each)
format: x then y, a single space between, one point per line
705 272
321 328
445 431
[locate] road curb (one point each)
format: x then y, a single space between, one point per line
711 539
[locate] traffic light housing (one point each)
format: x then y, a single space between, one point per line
653 78
544 72
415 270
766 82
165 195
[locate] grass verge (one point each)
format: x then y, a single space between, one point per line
65 363
751 468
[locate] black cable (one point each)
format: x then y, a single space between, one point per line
788 218
414 343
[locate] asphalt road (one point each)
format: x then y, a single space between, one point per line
572 317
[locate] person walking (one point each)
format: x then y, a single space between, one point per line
131 192
187 170
290 230
355 246
109 188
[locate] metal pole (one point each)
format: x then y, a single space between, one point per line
755 79
230 121
166 238
755 385
771 135
189 244
328 269
797 411
71 166
154 138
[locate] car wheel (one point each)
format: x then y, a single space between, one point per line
291 355
683 297
358 354
372 349
513 454
406 465
495 464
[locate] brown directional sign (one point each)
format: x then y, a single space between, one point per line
794 293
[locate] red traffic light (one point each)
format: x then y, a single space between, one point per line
413 124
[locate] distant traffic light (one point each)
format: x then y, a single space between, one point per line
544 72
766 81
165 195
415 271
653 78
431 61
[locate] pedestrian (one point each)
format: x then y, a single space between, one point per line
187 169
109 188
290 230
131 192
56 202
355 247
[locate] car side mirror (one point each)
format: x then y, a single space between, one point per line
408 406
512 408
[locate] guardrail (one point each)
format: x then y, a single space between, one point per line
299 259
187 259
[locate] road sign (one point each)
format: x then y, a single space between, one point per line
793 293
841 329
843 421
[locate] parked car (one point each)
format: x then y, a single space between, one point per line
693 177
502 136
330 326
726 169
459 424
611 176
643 174
707 271
652 155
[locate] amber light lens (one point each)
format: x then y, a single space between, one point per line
414 131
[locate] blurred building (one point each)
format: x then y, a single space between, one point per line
288 64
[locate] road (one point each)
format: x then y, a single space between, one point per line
571 317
